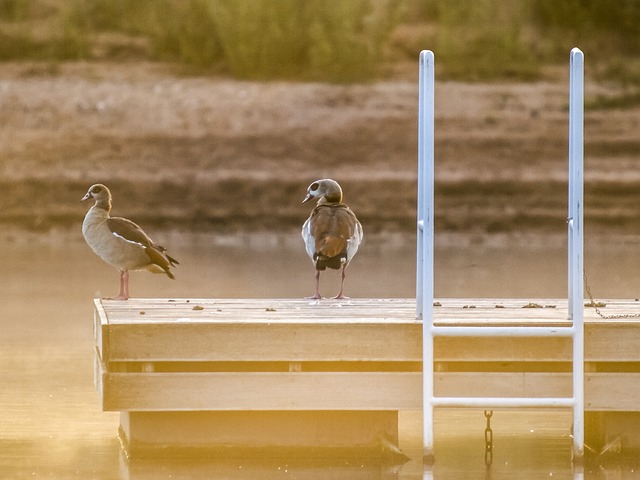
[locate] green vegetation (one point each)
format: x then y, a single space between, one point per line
329 40
261 38
332 40
313 39
485 39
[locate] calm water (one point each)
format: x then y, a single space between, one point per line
51 423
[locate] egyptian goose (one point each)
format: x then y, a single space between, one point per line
120 242
332 233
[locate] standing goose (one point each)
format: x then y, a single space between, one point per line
332 233
120 242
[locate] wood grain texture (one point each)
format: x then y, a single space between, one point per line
362 354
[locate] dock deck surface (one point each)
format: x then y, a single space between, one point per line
450 311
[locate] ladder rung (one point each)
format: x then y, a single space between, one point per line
462 331
500 402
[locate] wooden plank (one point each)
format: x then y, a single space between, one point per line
497 313
604 342
230 343
365 342
612 391
603 391
350 391
100 327
262 391
612 342
265 342
99 373
248 310
486 349
502 384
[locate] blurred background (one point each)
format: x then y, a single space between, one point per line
216 114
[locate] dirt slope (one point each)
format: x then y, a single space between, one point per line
205 153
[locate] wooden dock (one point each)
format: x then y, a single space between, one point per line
290 373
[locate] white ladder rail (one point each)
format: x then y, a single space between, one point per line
425 282
424 268
575 222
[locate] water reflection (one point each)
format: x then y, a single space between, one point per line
51 422
257 468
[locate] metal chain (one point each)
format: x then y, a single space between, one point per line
595 305
488 439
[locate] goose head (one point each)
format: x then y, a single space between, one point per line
100 194
325 190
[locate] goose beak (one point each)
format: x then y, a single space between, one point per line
307 198
86 197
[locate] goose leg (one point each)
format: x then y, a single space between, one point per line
317 295
341 295
124 286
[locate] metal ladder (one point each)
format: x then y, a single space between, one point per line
425 283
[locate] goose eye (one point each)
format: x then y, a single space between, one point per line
96 189
314 186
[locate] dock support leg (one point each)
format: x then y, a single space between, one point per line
336 432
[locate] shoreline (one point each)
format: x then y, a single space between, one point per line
290 238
